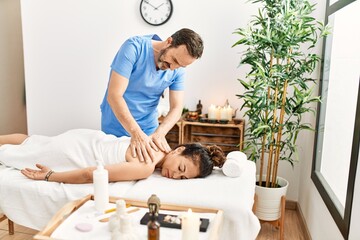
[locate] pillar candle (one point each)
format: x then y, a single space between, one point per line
230 113
218 112
190 224
224 113
212 112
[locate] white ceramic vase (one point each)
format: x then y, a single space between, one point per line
269 200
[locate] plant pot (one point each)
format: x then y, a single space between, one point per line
268 206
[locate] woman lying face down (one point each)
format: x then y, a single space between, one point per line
72 157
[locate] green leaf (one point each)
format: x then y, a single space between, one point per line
280 33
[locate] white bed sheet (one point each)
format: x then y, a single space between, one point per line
33 203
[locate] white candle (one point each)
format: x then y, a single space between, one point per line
230 113
224 113
212 112
190 224
218 113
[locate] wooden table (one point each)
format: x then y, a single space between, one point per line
71 207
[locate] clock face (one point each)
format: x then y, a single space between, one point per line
156 12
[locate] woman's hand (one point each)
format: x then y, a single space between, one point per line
36 174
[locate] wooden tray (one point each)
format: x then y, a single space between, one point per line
71 207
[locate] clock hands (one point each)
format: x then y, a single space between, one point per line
155 8
146 1
159 6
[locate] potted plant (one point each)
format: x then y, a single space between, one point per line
278 43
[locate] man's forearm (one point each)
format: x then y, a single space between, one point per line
169 121
124 116
176 107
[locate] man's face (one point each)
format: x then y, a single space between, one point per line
172 58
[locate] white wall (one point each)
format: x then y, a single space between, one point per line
318 219
69 46
12 86
355 213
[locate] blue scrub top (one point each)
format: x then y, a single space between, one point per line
135 61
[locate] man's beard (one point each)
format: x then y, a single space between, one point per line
161 64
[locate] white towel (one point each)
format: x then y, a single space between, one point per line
73 149
234 164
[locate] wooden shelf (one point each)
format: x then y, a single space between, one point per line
229 137
214 135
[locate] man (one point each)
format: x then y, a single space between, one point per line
142 69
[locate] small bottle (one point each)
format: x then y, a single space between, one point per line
199 107
153 224
153 227
101 187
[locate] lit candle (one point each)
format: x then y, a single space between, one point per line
212 112
218 108
230 113
190 223
224 113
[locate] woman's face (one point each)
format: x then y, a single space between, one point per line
179 167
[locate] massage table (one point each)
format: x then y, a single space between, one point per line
33 203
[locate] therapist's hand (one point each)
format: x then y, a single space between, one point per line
161 142
143 147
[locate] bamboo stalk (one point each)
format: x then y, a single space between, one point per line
263 143
270 161
266 118
271 151
281 121
278 138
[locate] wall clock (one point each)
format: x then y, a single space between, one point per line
156 12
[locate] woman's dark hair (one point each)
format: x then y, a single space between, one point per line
206 157
193 42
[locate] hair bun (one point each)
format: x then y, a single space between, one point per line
217 155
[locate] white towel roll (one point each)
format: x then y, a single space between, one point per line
234 164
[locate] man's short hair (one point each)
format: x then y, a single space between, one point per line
193 42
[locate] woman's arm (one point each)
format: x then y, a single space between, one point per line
117 172
75 176
129 171
16 138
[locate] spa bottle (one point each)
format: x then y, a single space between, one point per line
153 227
101 187
199 107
